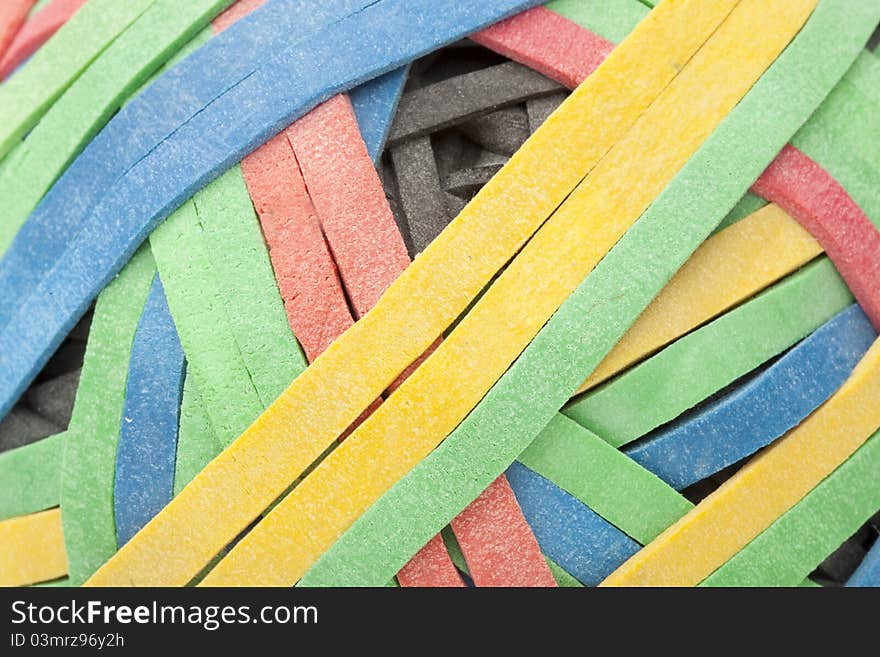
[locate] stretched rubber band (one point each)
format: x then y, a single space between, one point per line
698 365
763 490
197 443
29 93
36 31
710 284
13 14
30 477
506 420
532 287
33 549
431 567
612 20
823 206
754 414
171 172
147 447
31 169
391 350
90 453
868 572
791 548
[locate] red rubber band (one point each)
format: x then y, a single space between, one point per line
498 543
821 205
431 567
36 32
549 43
13 14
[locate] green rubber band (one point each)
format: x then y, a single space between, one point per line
747 205
865 75
634 500
89 468
844 137
791 548
38 6
196 442
703 362
610 19
563 579
36 163
198 307
524 400
26 96
30 477
246 279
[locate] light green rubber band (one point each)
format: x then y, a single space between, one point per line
35 164
89 469
30 477
26 96
196 442
791 548
610 19
703 362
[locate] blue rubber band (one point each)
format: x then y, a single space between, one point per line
147 447
166 172
577 538
868 572
700 443
375 104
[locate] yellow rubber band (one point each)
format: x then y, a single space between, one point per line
432 402
767 487
727 269
322 402
32 549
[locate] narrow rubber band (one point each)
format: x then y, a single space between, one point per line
29 93
33 549
764 489
147 446
791 548
225 131
197 443
497 542
823 207
36 31
507 419
754 414
868 572
613 20
30 477
391 349
696 366
13 14
90 452
82 110
709 284
532 287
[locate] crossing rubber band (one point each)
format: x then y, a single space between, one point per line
33 549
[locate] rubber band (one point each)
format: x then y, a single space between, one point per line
30 477
171 172
148 435
571 533
507 419
764 489
611 484
22 427
823 207
391 350
53 399
89 461
196 442
36 31
791 548
13 14
710 283
375 105
503 132
33 549
80 112
568 53
439 394
497 543
28 94
304 269
865 75
477 93
704 361
350 202
757 412
612 20
431 567
868 572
